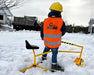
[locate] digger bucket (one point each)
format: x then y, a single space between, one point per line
79 61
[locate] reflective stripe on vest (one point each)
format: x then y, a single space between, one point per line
52 32
52 35
52 43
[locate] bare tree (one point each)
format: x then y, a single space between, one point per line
10 3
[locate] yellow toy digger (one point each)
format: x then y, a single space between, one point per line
79 61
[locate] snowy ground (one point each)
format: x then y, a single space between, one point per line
15 57
6 28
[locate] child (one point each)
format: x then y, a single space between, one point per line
52 31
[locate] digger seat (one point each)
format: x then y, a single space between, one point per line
28 46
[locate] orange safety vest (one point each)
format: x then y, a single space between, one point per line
52 32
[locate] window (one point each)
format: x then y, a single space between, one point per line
1 17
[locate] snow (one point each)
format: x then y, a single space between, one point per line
6 28
14 56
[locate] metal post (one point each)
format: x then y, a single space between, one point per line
34 57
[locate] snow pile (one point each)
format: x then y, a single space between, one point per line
6 28
14 56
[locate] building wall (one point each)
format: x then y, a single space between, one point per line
2 20
5 19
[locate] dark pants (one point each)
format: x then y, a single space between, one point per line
54 53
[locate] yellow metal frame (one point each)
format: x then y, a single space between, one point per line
78 61
36 64
73 51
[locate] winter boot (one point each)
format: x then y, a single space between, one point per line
56 67
43 58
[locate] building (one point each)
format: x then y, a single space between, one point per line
26 22
91 22
5 15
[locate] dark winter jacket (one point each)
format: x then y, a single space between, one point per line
55 14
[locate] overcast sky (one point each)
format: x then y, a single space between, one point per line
76 12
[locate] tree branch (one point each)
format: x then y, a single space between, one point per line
10 3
